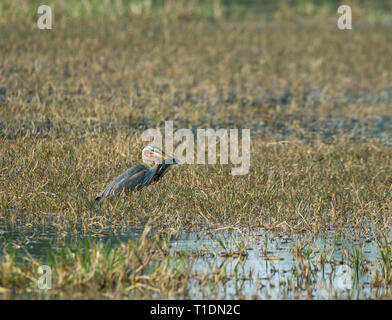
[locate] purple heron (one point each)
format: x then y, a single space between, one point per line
139 176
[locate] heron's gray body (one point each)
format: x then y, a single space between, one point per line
135 179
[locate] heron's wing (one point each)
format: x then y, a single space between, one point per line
150 175
127 181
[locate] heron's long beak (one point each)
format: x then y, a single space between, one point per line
172 160
163 155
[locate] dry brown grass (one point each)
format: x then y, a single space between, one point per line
317 101
73 116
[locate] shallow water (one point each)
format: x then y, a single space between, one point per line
268 276
274 273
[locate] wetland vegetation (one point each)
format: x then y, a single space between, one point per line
311 219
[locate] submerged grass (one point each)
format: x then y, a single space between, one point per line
75 100
138 269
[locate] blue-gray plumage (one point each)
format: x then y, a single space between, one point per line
139 176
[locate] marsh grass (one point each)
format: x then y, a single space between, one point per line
147 267
303 187
75 100
99 270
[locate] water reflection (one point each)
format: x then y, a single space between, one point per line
273 266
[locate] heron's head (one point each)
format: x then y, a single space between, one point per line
152 154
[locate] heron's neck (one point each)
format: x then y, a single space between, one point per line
155 168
